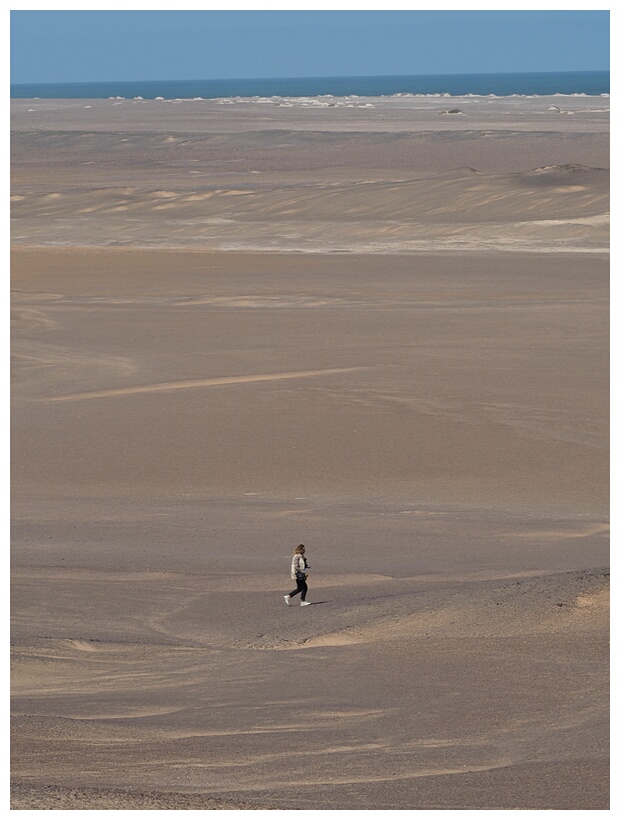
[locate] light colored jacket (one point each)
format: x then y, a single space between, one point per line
299 563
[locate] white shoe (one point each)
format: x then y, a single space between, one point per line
305 603
287 598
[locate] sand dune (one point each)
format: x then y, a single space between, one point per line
368 326
274 203
162 700
406 182
553 208
465 195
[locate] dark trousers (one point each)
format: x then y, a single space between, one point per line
302 587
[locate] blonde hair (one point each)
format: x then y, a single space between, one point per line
299 549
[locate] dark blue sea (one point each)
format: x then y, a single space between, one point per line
577 82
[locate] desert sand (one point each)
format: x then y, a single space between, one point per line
369 326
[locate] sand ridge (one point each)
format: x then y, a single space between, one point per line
195 383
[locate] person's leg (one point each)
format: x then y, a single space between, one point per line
303 586
295 591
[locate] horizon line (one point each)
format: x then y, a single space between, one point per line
315 77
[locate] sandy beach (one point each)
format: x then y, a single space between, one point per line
367 325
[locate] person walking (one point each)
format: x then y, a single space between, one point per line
299 566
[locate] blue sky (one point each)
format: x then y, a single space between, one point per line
91 46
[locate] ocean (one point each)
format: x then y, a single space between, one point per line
590 83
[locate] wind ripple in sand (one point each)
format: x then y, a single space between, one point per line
192 383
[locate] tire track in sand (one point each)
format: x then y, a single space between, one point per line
193 383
